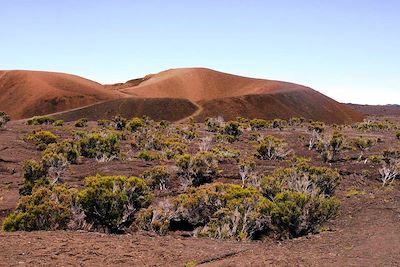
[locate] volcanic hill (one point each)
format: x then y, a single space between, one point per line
173 95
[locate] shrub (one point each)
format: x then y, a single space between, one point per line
67 148
330 148
82 122
278 123
316 126
134 124
363 144
398 135
221 211
294 214
198 169
213 124
58 123
119 123
102 146
157 177
4 118
40 120
154 219
247 169
104 123
258 124
222 152
42 138
147 155
110 202
231 130
33 173
272 148
301 178
48 208
56 165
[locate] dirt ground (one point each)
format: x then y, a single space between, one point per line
366 232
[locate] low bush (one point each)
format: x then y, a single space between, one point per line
147 155
398 135
4 118
111 202
213 124
157 177
272 148
33 173
222 152
67 148
104 123
119 123
101 146
294 214
198 169
42 139
301 178
58 123
222 211
232 131
82 122
40 120
47 208
134 124
258 124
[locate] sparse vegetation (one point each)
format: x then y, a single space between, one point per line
4 118
40 120
272 148
42 139
82 122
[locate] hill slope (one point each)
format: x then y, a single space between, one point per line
177 94
25 94
229 95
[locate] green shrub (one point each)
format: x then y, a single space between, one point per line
48 208
110 202
82 122
4 118
278 124
222 152
316 126
67 148
363 144
147 155
294 214
134 124
33 173
40 120
104 123
157 177
153 219
102 146
119 123
232 130
42 138
329 149
199 169
301 178
272 148
398 135
258 124
222 211
213 124
58 123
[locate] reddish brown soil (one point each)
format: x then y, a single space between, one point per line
365 233
25 94
155 108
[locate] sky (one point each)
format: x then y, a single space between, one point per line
348 50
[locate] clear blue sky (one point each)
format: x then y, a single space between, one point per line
347 49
